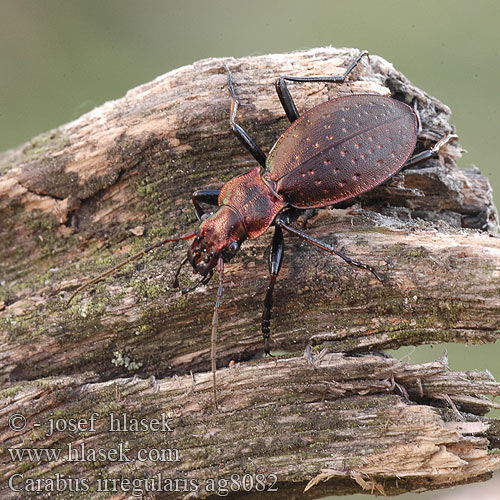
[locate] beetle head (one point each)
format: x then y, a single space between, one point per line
220 234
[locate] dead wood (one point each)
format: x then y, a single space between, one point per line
79 199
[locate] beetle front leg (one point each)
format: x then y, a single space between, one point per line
286 98
208 196
275 260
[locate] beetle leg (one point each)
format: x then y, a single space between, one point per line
239 132
424 155
327 248
275 260
208 196
286 98
175 283
202 281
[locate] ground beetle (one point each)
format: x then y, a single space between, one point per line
333 152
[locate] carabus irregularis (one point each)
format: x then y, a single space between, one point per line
331 153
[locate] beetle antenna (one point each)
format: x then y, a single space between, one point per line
215 321
113 270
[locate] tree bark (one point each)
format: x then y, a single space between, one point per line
81 198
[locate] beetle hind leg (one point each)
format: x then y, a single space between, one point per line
429 153
328 248
286 98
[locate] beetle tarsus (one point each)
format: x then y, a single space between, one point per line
429 153
444 140
175 284
267 349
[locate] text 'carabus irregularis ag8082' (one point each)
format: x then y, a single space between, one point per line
331 153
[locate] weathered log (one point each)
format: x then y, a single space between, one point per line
78 199
369 421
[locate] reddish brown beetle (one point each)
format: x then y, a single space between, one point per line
333 152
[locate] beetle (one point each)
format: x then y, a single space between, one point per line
331 153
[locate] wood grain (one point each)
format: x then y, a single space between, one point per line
79 199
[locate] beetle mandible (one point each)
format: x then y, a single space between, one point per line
331 153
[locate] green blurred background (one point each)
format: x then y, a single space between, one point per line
61 58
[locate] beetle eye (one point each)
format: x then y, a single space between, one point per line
233 247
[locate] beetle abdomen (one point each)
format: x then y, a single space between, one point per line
340 149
